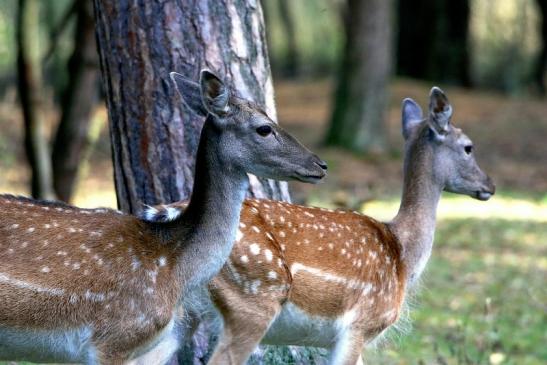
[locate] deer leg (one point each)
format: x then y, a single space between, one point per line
244 327
347 348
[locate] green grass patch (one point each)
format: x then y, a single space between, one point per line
483 297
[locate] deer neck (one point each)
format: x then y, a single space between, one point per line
414 224
206 232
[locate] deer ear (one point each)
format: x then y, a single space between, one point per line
214 93
411 116
440 110
190 93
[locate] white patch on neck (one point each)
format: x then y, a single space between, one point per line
173 213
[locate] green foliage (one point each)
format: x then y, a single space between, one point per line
505 43
319 34
7 35
51 15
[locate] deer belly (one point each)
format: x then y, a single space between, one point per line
293 326
60 346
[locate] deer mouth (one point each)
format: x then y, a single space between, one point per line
484 195
313 179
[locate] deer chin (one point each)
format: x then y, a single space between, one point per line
483 195
309 178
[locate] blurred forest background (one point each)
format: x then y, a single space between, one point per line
341 69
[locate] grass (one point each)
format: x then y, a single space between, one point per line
482 299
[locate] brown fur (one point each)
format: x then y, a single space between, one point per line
347 245
55 244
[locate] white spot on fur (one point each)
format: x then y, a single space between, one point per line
254 286
239 235
45 269
31 229
272 275
268 254
256 229
309 214
162 261
255 249
244 259
135 263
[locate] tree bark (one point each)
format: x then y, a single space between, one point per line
79 98
30 91
541 64
154 135
361 96
433 40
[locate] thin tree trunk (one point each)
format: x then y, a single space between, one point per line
361 96
541 64
292 63
433 40
30 90
79 97
154 136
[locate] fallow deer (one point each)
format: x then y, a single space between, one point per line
335 279
100 286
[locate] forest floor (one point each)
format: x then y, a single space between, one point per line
483 297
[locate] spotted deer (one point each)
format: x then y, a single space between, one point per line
309 276
100 286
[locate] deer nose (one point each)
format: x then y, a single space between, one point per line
321 164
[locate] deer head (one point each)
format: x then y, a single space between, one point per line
451 152
253 142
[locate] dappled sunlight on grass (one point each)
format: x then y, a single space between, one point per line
482 299
501 206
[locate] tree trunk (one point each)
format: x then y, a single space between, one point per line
361 96
79 98
154 135
541 64
292 64
433 40
30 91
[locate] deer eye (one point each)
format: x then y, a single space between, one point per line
468 149
264 130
